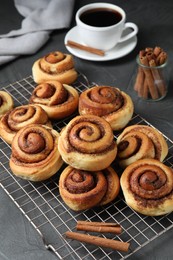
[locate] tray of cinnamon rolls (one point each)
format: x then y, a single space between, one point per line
81 149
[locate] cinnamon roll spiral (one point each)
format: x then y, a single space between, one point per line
55 66
6 102
113 105
19 117
80 189
147 186
139 142
35 154
58 100
87 143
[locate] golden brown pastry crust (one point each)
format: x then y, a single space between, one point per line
35 154
113 186
87 143
19 117
147 186
115 106
138 142
55 66
80 189
58 100
6 102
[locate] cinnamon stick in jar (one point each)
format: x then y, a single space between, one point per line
139 80
150 80
161 85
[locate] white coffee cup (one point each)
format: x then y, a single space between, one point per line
104 36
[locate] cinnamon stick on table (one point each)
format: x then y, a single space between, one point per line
101 227
99 241
97 223
73 44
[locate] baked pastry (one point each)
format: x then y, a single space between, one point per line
138 142
114 105
82 190
19 117
147 186
87 143
55 66
58 100
6 102
35 154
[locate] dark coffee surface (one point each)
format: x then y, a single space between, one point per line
101 17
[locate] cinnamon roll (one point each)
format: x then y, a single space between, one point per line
58 100
87 143
6 102
19 117
35 154
139 142
113 105
80 189
147 186
55 66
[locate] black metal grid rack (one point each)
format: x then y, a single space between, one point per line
45 210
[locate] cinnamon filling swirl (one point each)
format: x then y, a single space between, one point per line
149 182
56 63
115 106
101 100
127 148
57 99
80 181
89 136
138 142
50 94
20 117
33 144
56 66
147 185
35 154
87 143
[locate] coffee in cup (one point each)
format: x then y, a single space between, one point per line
101 25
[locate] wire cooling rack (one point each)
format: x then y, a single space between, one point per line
45 210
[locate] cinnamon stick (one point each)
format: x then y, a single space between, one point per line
149 78
99 241
157 50
139 80
158 78
101 227
95 223
161 58
149 49
73 44
145 91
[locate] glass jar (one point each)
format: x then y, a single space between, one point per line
150 82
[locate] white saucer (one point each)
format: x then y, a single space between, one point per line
120 50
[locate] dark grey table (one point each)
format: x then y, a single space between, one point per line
18 238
